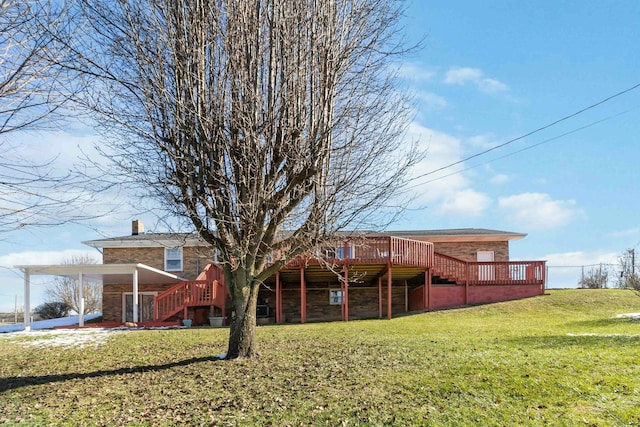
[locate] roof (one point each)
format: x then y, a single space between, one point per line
149 240
121 273
170 240
459 234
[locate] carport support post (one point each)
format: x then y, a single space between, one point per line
81 302
27 300
135 295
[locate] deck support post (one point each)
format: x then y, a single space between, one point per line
379 297
135 295
303 296
389 294
345 294
427 289
278 298
466 284
406 297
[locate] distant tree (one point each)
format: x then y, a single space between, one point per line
595 278
629 277
52 310
266 125
67 289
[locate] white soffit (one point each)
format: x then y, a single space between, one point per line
116 273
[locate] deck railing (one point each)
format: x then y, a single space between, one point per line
488 273
207 289
449 268
373 250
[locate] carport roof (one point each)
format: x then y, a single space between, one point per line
123 273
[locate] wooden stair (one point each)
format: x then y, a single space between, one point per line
448 270
207 290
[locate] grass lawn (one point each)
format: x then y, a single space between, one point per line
559 359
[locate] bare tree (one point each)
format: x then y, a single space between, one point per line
267 125
28 76
32 90
67 289
629 270
595 278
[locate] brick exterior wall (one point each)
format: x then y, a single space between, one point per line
194 259
446 296
112 298
363 302
468 251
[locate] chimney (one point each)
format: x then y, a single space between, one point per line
137 227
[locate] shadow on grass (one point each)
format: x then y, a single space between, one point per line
585 340
12 383
611 321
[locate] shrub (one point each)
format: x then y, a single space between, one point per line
53 310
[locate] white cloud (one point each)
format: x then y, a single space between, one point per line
430 101
461 76
538 210
483 141
43 257
492 86
541 181
565 269
467 75
630 232
415 73
499 179
465 203
441 150
580 258
444 192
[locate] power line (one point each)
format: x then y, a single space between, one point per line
526 148
581 266
540 129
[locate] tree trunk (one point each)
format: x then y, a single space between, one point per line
244 298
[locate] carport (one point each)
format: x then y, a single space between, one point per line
135 274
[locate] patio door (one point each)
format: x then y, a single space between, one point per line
486 272
145 307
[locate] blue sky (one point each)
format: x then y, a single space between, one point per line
488 72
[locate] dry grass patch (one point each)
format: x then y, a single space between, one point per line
559 359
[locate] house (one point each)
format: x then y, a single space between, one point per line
363 275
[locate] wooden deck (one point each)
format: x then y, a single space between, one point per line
374 262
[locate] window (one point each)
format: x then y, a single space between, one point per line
340 252
486 272
145 306
173 259
335 297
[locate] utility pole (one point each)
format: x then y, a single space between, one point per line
15 311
